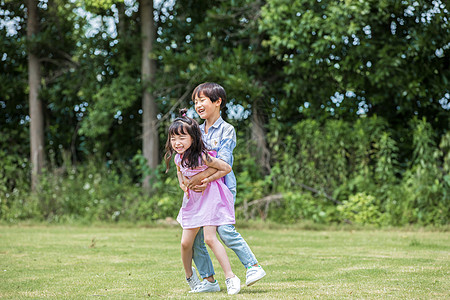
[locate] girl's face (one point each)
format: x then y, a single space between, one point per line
205 107
180 142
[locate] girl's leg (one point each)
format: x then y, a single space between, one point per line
218 249
187 240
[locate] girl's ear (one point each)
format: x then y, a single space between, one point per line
218 102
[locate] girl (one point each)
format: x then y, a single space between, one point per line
212 208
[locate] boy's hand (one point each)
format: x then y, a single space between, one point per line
200 188
194 181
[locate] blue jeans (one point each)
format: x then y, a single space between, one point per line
232 239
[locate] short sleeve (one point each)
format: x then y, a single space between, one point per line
212 153
177 159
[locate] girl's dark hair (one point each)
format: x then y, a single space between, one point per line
185 125
211 90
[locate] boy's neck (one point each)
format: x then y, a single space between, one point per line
210 121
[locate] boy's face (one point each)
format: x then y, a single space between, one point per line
205 107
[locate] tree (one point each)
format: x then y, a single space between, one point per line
37 146
150 144
114 108
36 47
345 58
14 120
222 43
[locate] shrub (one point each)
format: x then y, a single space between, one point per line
361 209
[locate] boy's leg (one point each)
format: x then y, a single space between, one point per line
201 256
233 240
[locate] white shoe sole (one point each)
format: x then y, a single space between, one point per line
234 293
255 280
214 289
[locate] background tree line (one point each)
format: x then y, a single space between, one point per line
341 107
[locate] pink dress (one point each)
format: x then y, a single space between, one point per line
215 206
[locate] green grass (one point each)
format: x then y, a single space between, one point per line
75 262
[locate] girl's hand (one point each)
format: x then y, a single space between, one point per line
185 190
205 181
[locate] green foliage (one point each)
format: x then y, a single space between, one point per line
425 183
335 83
335 154
298 206
335 172
445 148
91 192
98 5
109 102
357 164
361 209
14 175
388 58
251 184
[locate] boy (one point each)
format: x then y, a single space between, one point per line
220 136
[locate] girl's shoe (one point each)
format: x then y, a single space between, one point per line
193 281
205 287
254 274
233 285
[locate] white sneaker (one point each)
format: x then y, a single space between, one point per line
254 274
205 287
233 285
193 281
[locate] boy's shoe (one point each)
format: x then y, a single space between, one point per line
233 285
206 287
254 274
193 281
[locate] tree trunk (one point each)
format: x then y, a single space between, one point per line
259 139
37 153
121 25
149 121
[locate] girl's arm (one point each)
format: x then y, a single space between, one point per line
222 168
181 180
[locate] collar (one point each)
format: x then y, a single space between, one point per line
216 124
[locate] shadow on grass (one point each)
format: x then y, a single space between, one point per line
253 292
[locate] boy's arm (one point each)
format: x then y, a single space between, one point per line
226 146
216 175
224 152
222 168
197 179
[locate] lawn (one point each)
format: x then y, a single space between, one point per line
80 262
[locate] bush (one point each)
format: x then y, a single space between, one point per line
299 206
331 172
361 209
91 192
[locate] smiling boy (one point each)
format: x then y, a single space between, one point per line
220 136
